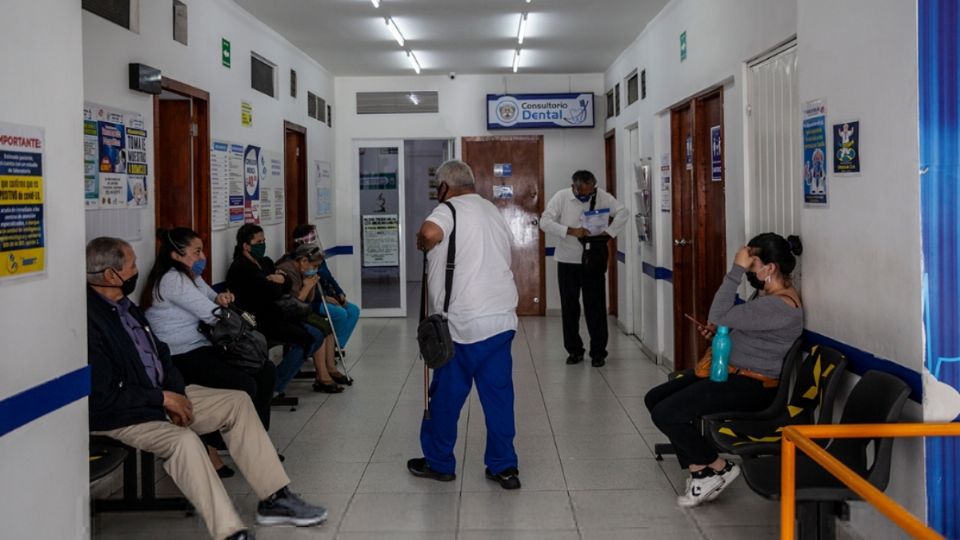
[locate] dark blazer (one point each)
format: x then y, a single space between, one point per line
253 291
121 392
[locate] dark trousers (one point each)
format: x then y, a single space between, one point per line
572 280
203 366
676 405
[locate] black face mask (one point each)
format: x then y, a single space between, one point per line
128 286
756 282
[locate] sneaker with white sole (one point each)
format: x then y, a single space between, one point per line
729 473
287 508
700 486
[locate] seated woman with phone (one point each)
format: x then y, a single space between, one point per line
762 330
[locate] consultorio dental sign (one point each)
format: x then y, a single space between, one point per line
528 111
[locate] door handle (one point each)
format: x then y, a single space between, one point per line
683 242
535 222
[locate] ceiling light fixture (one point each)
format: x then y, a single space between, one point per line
376 3
392 26
528 1
523 28
413 62
516 60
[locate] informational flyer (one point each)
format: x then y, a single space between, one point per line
254 168
815 152
666 201
274 185
846 148
91 173
114 158
136 153
22 248
235 184
323 178
381 240
219 185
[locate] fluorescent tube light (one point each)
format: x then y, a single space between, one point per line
516 60
413 62
523 28
376 3
392 26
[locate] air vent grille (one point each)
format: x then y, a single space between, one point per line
397 102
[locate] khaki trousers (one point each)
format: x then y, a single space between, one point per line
185 457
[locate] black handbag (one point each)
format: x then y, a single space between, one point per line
235 337
433 332
293 309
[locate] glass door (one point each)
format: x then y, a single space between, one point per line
380 185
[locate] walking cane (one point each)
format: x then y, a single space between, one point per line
336 340
423 315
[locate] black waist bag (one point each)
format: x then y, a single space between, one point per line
433 332
595 254
235 337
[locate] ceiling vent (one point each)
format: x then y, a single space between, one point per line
397 102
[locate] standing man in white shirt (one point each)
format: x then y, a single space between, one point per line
584 218
483 321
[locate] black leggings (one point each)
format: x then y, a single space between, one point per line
676 405
203 366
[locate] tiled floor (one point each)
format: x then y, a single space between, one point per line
584 439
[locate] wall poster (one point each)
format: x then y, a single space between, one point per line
846 148
114 158
815 152
22 246
323 178
254 168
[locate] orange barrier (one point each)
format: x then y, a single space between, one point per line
802 437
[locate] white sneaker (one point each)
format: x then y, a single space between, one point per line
700 485
729 473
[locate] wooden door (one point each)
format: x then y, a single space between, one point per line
521 209
182 160
699 222
295 177
610 152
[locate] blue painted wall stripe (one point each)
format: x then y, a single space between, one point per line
29 405
657 272
860 362
622 257
549 251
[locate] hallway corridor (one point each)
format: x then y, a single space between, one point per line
584 439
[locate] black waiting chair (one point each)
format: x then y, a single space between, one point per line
810 402
778 404
139 491
877 398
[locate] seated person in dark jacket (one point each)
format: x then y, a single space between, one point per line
256 285
138 398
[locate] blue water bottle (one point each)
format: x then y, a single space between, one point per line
721 355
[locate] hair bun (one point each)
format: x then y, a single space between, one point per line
796 246
162 233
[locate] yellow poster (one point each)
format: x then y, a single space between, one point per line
246 114
21 200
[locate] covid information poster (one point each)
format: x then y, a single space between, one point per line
22 248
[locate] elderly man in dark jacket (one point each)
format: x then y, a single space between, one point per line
138 397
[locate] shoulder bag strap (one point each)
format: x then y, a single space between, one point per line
451 258
423 297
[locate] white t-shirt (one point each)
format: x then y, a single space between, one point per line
483 302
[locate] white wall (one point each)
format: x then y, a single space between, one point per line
721 36
108 48
42 321
462 114
862 252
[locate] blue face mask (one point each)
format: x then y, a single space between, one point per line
311 272
198 266
583 198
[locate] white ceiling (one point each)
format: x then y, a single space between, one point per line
350 37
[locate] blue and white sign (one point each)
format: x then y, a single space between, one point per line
530 111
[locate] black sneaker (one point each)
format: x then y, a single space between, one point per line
598 361
242 535
419 468
574 359
287 508
508 478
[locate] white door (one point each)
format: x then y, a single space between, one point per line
381 226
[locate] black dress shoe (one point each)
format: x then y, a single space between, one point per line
419 468
574 359
598 361
226 472
508 478
242 535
